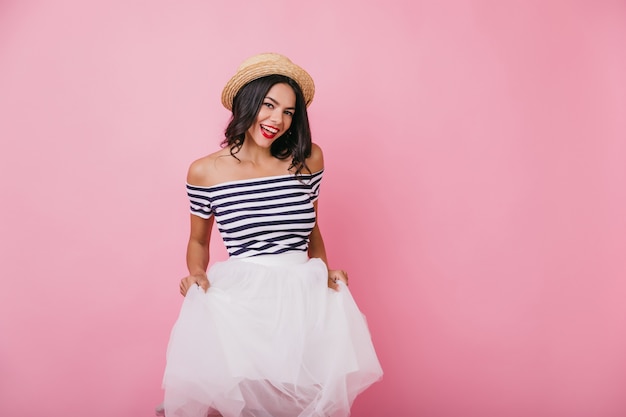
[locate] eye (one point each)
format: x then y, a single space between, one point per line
268 105
289 113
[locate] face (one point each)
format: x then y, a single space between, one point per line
275 115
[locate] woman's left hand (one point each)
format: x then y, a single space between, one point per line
336 275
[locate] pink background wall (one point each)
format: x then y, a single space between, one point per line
475 190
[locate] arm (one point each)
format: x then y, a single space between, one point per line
315 163
197 254
199 236
317 250
316 242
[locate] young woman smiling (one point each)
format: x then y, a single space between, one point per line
272 331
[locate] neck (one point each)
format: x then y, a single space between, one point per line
250 152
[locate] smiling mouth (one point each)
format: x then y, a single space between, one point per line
269 132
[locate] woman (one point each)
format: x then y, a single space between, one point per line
271 332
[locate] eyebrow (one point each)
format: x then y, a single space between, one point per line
277 103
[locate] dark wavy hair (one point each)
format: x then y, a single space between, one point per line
294 144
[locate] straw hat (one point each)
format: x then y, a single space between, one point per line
267 64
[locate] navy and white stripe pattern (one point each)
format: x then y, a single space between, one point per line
260 216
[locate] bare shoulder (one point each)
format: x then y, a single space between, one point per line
204 171
315 162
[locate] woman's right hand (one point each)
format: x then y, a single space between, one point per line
200 279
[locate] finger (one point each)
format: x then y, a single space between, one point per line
184 286
332 284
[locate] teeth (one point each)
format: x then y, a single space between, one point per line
270 129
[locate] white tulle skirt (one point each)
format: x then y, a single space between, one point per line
268 339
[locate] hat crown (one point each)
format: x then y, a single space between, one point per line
265 57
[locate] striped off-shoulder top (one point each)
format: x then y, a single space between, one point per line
260 216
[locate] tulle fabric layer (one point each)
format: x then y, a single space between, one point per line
268 339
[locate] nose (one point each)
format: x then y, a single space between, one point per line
276 116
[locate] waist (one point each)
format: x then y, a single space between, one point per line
291 258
